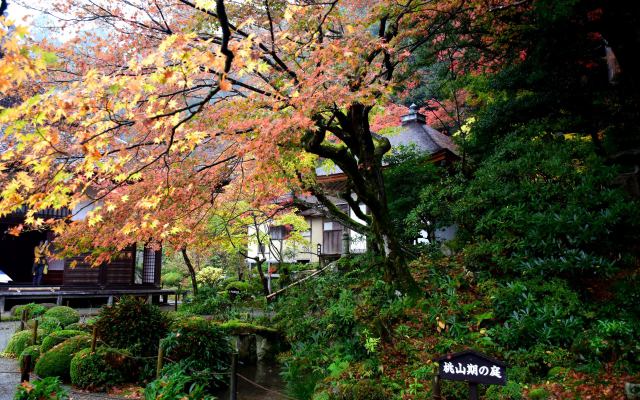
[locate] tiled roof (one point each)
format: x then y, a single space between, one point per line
414 131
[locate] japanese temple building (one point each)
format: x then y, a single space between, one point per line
136 270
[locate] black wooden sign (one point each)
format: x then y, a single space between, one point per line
472 367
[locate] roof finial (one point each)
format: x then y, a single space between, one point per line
413 115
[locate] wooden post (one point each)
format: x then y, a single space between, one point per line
160 360
233 384
176 301
473 391
437 394
23 319
34 338
94 339
25 368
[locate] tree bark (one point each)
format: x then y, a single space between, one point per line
360 159
263 278
192 271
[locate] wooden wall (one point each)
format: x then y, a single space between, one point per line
119 272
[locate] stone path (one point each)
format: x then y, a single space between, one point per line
9 377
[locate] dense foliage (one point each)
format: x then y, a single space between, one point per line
542 98
56 362
132 324
33 352
19 342
48 388
66 315
101 369
176 384
33 310
58 337
202 348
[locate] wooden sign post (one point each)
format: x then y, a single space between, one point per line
472 367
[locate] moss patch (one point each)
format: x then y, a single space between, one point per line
66 315
18 342
58 337
56 362
34 352
104 368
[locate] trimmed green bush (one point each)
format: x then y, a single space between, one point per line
238 285
104 368
56 362
133 325
18 342
66 315
46 324
33 310
58 337
33 351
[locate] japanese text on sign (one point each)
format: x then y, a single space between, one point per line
471 369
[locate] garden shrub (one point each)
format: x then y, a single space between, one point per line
18 342
176 383
46 324
610 340
33 310
56 362
538 394
48 388
364 389
58 337
241 286
172 279
66 315
200 346
511 391
104 368
209 302
133 325
535 311
33 351
209 276
79 326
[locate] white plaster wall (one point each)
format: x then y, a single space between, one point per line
358 241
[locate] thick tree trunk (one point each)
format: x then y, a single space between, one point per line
359 156
396 269
263 278
192 271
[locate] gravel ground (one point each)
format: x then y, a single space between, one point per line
9 376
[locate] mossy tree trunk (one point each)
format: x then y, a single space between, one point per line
359 155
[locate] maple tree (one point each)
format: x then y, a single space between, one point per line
154 111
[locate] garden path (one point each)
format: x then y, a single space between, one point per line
8 367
